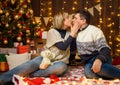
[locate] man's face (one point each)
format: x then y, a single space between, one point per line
78 19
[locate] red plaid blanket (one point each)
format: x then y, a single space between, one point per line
74 76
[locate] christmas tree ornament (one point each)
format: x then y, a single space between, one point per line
27 15
3 22
19 38
31 11
19 25
5 4
7 14
13 1
9 18
21 11
33 22
25 6
1 11
16 17
118 38
21 1
37 34
27 31
6 25
28 40
10 32
5 41
29 1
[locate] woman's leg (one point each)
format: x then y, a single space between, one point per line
22 70
57 68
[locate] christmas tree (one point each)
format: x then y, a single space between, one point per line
17 22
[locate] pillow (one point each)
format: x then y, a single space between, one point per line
29 54
17 59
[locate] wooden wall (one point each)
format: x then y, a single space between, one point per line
110 14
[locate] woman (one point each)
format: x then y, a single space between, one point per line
58 41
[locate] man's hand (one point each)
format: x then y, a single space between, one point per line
96 65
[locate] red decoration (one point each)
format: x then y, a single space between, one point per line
34 81
23 49
3 22
5 4
116 61
54 78
27 15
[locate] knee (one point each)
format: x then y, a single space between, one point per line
89 73
61 68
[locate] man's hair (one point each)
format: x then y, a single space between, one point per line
58 19
84 15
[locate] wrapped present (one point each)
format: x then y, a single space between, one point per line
4 50
3 63
12 50
16 44
23 49
2 58
4 66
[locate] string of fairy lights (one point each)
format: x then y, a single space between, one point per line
107 21
46 8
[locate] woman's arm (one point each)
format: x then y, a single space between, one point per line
63 45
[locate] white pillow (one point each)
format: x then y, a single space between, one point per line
17 59
22 54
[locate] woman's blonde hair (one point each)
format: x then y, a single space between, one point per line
58 19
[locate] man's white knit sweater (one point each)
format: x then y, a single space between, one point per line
91 41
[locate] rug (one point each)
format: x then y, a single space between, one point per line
74 76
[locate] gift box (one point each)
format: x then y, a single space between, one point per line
4 66
4 50
23 49
12 50
3 63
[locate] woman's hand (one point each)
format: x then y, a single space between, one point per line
74 29
96 66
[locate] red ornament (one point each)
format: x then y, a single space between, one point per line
27 15
3 22
40 33
5 4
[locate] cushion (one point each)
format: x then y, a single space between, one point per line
17 59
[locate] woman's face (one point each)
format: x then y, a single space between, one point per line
67 22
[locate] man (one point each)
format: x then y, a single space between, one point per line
93 49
